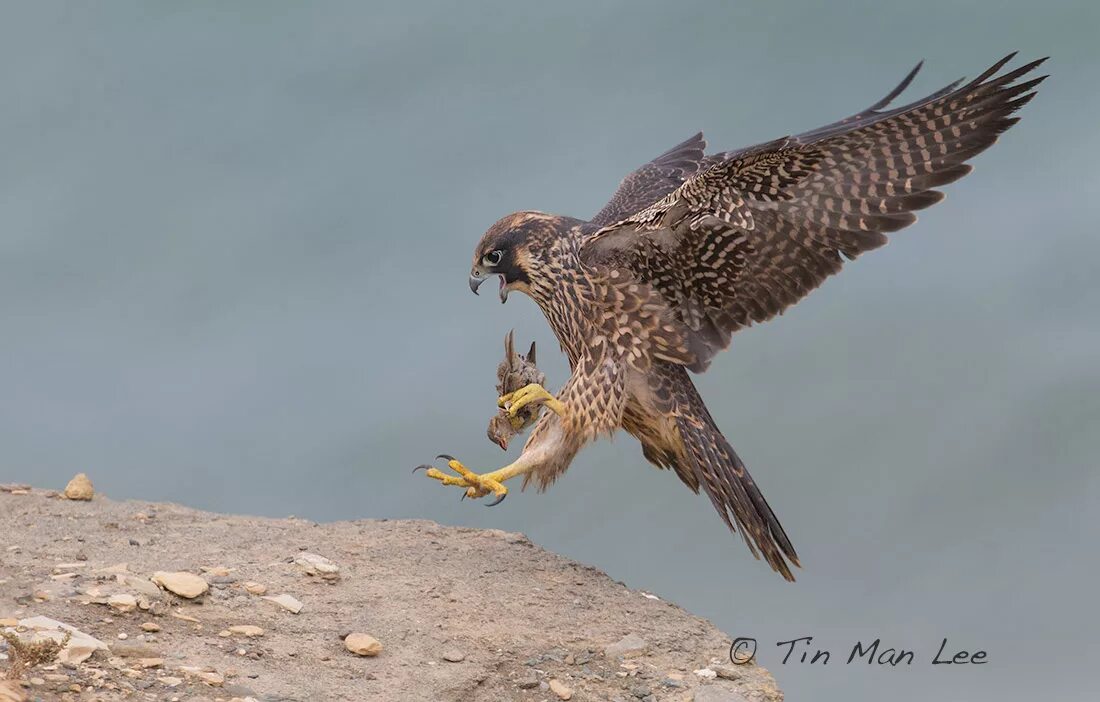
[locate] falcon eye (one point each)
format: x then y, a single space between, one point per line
493 257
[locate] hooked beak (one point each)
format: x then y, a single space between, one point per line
477 278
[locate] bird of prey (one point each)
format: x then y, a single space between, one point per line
694 247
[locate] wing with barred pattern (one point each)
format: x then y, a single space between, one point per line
758 230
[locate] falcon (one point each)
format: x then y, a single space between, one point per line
694 247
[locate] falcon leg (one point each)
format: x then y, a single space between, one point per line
477 485
530 394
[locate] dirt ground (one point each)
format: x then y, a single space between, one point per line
461 614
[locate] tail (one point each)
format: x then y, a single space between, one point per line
716 467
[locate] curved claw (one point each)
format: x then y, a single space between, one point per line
497 501
445 457
421 467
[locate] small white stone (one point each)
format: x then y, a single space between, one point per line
313 564
181 583
246 630
211 679
255 588
122 603
61 567
141 585
80 647
287 602
706 673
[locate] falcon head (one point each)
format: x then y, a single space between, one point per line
512 250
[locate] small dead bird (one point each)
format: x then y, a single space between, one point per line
514 372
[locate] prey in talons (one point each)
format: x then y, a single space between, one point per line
533 394
522 396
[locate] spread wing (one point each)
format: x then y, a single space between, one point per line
760 228
654 180
662 175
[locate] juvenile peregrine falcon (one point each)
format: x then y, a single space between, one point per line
692 248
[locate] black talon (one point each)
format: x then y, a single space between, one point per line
497 501
421 467
445 457
463 496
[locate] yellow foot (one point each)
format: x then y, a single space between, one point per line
476 485
528 395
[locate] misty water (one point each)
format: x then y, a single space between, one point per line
234 241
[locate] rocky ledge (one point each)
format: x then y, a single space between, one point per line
105 600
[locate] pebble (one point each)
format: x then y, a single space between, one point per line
122 603
150 662
362 644
629 646
79 488
246 630
170 681
529 682
255 588
141 585
706 673
185 617
215 571
9 622
181 583
150 626
115 569
559 689
287 602
60 567
211 679
454 656
727 672
80 647
313 564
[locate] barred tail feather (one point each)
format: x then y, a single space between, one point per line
732 490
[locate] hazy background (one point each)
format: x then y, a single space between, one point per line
234 240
